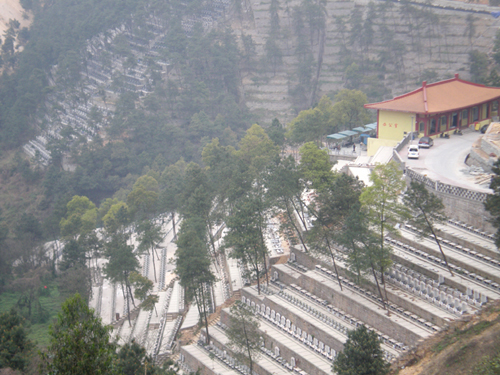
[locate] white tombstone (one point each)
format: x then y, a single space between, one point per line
273 314
278 317
283 320
288 323
292 257
277 351
292 361
268 311
450 300
441 279
243 299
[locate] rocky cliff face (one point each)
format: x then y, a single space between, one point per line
382 48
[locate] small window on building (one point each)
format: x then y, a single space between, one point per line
474 114
421 127
433 128
442 123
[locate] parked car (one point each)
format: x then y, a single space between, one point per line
413 152
425 142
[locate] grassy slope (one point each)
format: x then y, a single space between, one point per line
39 333
459 349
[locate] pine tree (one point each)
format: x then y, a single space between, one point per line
362 355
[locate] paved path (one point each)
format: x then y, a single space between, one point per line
445 160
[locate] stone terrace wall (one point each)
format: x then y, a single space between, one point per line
460 204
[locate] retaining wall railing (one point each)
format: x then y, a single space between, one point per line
446 188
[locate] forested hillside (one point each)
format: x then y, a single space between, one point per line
104 104
105 91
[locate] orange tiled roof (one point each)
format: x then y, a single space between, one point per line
444 96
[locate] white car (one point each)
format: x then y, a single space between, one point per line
413 152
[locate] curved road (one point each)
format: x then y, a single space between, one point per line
445 160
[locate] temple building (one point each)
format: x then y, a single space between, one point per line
435 108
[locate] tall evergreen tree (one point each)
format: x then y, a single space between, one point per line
80 343
362 355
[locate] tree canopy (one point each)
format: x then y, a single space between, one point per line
362 355
79 343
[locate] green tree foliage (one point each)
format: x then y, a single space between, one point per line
478 66
245 235
115 217
142 291
193 265
276 132
79 343
333 206
132 359
348 111
284 183
243 334
80 219
74 280
312 124
197 198
143 199
150 235
383 209
256 150
428 210
362 355
121 263
171 184
14 343
493 79
492 203
221 165
316 167
29 287
74 255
